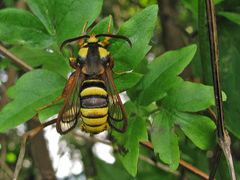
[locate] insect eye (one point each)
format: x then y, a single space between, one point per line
105 60
81 60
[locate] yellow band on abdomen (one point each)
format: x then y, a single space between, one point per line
96 129
94 112
93 91
95 121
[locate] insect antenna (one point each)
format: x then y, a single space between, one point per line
72 39
116 37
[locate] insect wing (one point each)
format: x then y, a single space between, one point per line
69 114
117 113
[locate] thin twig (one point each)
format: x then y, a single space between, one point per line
20 63
7 170
214 52
158 165
28 135
212 114
3 148
224 139
183 163
193 169
3 165
214 161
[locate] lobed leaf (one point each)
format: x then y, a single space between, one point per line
199 129
127 81
163 71
190 97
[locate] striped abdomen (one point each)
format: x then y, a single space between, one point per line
94 106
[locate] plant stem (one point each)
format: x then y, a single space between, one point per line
20 63
224 139
183 163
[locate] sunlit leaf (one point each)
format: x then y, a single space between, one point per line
163 73
33 90
139 30
21 27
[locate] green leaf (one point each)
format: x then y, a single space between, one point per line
41 9
234 17
110 171
136 132
192 6
190 97
102 26
139 30
203 41
33 90
200 129
127 81
69 16
164 139
47 58
50 111
116 170
218 1
162 73
230 55
21 27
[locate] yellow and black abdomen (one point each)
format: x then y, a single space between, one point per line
94 106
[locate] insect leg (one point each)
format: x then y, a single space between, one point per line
81 41
28 135
109 24
121 72
107 38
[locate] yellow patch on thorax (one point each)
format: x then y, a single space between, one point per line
83 52
103 52
93 91
92 39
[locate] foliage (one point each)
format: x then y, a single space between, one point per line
162 107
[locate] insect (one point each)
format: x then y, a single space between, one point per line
90 93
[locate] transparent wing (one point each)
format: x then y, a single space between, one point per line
117 113
69 114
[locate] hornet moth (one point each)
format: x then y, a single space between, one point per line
90 95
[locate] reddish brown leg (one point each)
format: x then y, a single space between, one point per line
106 39
81 41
